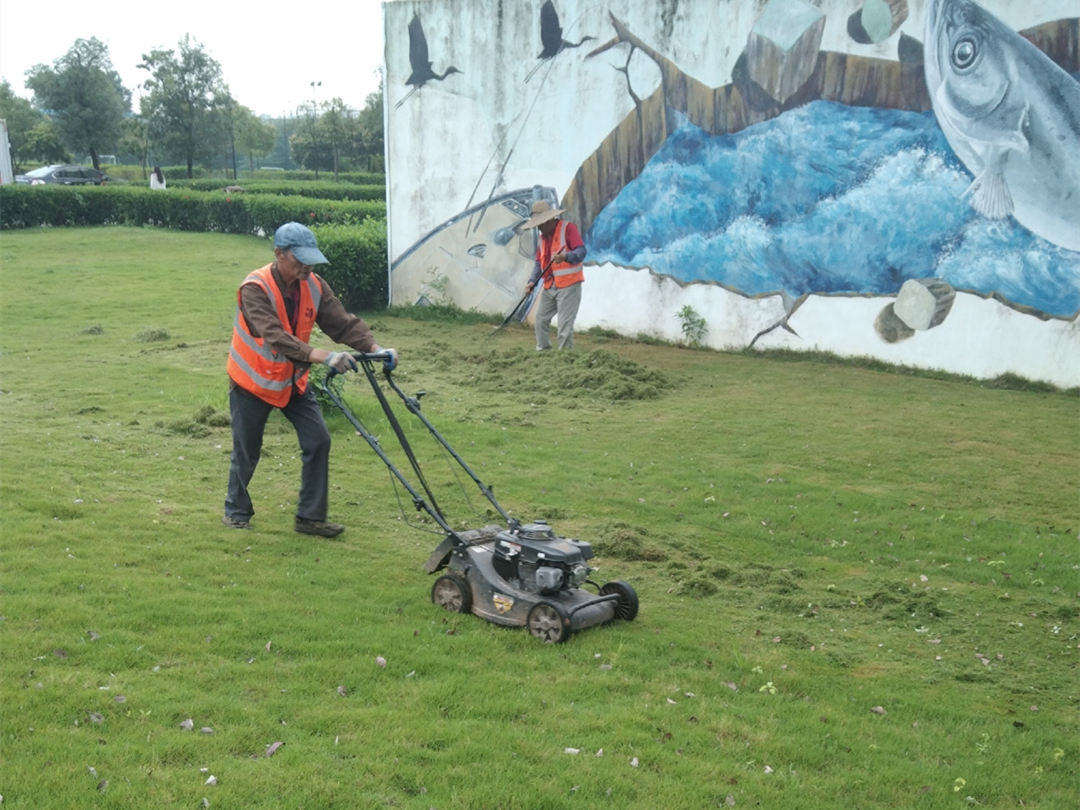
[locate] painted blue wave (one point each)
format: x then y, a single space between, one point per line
826 198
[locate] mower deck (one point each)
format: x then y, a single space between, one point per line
471 584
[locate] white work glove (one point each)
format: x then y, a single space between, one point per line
391 364
341 362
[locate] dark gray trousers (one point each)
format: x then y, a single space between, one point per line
249 415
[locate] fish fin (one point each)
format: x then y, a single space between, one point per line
990 195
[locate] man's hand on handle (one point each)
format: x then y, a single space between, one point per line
340 362
558 257
390 363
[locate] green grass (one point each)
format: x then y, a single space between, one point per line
859 588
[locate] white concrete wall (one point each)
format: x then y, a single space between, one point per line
982 337
490 129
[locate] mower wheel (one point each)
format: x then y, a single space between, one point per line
452 592
549 623
627 606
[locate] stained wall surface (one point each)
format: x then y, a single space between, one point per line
883 178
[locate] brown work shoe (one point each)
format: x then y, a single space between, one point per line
233 523
318 527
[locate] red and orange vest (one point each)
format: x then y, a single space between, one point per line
253 365
563 274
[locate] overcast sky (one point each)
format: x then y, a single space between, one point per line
269 52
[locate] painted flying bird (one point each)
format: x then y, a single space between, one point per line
419 62
551 35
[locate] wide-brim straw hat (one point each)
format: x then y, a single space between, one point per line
541 213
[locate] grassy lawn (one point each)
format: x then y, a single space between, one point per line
859 587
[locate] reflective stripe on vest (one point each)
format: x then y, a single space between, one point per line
253 365
562 274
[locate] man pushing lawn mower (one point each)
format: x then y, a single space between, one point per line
269 360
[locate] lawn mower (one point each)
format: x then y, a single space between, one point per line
517 575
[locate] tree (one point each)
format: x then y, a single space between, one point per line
181 105
370 129
135 140
43 143
339 139
22 119
312 144
225 108
338 124
281 154
304 143
314 155
84 95
254 137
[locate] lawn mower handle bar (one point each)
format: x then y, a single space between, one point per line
370 357
367 362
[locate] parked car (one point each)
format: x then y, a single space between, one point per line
65 175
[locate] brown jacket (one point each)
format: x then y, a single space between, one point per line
336 322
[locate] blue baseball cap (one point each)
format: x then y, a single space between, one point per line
301 241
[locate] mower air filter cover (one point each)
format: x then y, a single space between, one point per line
540 530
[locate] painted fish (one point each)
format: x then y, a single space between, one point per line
1010 114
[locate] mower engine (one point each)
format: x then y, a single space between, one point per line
534 559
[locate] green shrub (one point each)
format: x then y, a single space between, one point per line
268 211
322 190
303 175
27 206
180 208
694 327
358 270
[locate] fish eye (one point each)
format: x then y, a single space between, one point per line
964 53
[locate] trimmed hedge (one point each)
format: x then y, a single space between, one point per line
352 234
358 271
321 190
306 175
24 206
178 175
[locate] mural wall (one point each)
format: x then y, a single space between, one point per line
897 179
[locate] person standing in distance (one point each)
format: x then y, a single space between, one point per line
558 266
269 360
157 178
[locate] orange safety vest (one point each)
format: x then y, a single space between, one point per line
253 365
563 274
